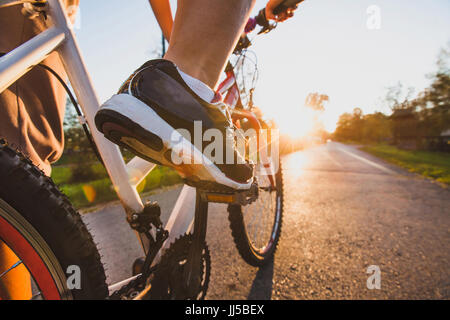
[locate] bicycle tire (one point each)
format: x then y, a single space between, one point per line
243 243
49 213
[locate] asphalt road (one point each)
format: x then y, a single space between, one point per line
344 211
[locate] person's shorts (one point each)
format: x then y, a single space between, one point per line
32 109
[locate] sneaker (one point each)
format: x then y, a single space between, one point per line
143 116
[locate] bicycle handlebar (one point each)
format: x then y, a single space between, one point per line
286 5
262 21
261 18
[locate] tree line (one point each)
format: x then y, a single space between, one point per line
422 122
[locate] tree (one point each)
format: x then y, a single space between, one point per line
75 138
432 106
376 128
343 128
316 101
397 96
415 122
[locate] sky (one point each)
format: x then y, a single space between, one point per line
327 48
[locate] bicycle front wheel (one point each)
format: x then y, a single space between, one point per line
256 228
43 240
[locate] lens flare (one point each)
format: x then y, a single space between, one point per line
89 192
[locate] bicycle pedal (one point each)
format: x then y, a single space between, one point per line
239 197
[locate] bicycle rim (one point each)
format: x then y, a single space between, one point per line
47 276
262 218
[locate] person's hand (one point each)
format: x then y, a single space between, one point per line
282 16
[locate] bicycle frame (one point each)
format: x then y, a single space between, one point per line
59 37
229 86
233 100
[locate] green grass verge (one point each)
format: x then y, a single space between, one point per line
435 165
61 174
88 193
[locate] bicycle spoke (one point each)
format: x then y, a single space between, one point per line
271 210
261 234
253 214
255 228
250 211
18 263
269 220
262 224
36 295
260 216
255 233
255 236
268 210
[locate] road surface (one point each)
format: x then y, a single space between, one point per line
344 211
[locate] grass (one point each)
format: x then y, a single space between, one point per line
84 192
61 174
435 165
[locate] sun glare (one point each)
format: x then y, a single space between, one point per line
296 122
329 120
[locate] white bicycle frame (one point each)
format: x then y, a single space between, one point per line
60 37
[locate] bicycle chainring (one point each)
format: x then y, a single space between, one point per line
168 282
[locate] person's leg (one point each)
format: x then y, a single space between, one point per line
176 93
32 108
204 35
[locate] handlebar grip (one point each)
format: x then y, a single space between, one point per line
286 5
261 18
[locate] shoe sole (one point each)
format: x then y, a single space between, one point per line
130 123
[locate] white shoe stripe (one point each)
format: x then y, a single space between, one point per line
141 114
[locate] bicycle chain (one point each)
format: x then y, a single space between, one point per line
167 283
125 292
163 273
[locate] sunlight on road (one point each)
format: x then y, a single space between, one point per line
296 164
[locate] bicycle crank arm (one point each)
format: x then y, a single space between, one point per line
143 294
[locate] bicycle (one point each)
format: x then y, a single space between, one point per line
39 224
